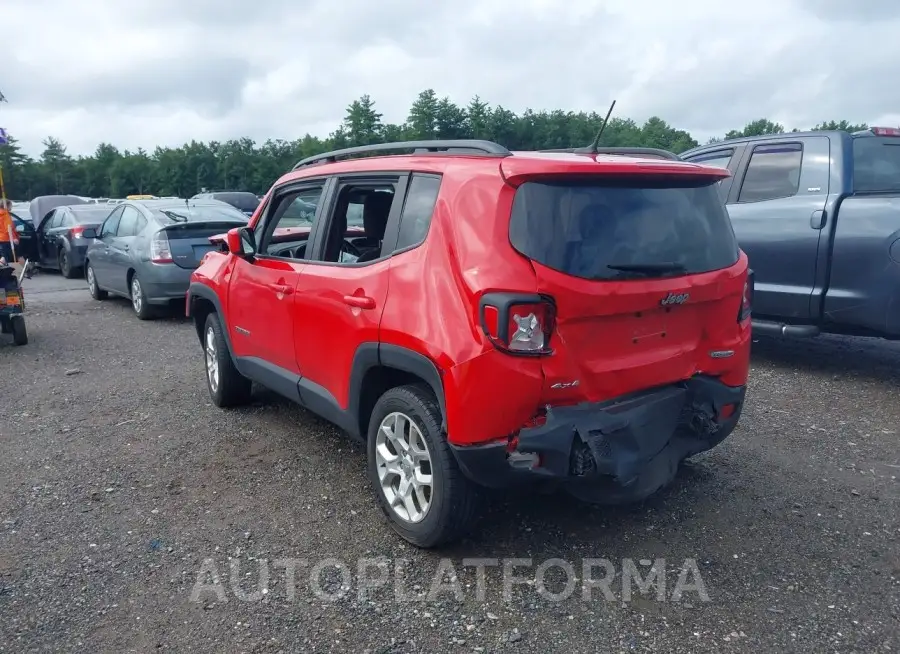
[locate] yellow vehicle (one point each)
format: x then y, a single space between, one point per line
140 197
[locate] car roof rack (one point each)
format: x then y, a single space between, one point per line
650 153
462 146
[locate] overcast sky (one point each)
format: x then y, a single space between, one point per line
161 72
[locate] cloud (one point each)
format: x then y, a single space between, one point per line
163 72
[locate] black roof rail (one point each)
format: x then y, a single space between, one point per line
468 146
647 153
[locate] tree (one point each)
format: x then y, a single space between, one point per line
241 164
362 123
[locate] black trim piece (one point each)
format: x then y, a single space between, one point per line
429 146
401 358
503 302
273 377
751 283
320 401
200 290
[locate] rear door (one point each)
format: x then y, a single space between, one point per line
642 269
777 205
48 234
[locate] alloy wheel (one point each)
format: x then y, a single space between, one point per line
404 467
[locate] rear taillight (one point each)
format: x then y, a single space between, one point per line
886 131
746 298
159 248
76 232
518 323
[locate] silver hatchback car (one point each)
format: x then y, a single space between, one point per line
146 250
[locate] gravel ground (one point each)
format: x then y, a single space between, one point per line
121 483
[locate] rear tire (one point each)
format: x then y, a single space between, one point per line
142 308
96 292
451 498
65 265
17 327
227 387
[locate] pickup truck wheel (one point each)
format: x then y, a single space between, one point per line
418 484
96 292
227 387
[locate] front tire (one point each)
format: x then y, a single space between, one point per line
419 486
227 387
142 308
96 292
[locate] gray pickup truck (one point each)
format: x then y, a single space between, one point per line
818 214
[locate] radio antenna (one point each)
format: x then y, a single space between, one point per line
593 147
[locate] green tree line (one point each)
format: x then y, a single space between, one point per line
242 164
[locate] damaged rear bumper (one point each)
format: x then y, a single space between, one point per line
632 445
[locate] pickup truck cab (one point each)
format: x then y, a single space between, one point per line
818 215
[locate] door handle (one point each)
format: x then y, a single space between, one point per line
359 301
817 219
281 289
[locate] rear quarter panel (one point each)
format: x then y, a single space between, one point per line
432 305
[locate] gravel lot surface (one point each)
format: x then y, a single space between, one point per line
120 479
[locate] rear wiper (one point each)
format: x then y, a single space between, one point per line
177 217
649 268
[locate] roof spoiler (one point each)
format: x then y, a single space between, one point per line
642 153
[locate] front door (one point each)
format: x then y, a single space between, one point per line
262 291
776 202
99 252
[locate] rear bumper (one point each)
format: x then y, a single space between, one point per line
76 255
163 283
634 443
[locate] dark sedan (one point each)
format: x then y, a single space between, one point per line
59 238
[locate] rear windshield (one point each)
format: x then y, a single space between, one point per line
624 228
241 201
91 214
876 163
181 213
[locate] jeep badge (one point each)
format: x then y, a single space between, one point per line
673 298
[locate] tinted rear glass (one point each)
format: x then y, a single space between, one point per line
91 214
241 201
876 163
582 227
191 213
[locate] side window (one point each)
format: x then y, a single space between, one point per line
55 220
66 220
140 225
773 172
720 158
358 223
111 224
129 219
417 210
289 222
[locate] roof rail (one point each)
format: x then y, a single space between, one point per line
437 145
648 153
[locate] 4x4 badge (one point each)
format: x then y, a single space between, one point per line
675 298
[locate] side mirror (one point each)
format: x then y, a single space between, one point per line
89 232
240 242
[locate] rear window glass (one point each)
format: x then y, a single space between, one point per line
876 163
242 201
181 213
624 228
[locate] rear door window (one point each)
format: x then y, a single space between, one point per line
719 158
773 172
876 164
128 222
626 227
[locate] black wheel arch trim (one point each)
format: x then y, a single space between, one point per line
198 290
371 355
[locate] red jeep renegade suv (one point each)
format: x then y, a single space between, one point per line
481 318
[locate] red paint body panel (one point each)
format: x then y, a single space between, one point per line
612 337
